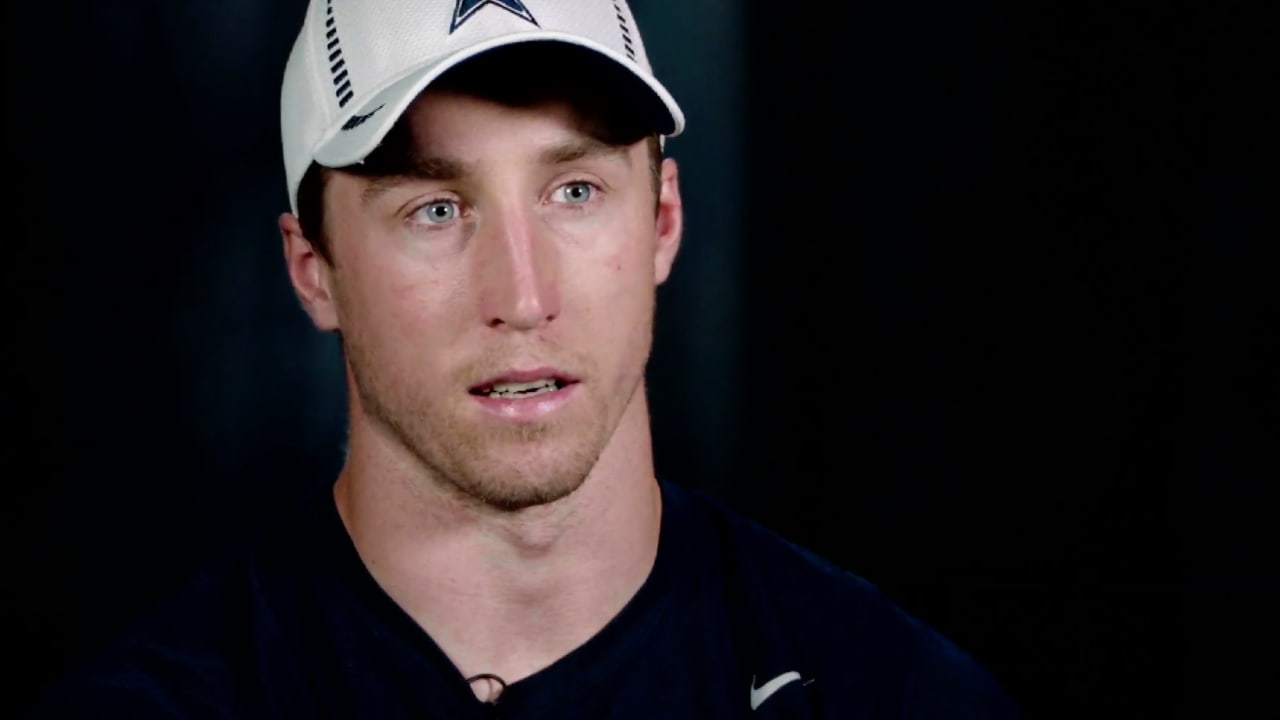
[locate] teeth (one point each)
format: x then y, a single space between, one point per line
522 389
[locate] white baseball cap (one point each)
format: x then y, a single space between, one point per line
358 64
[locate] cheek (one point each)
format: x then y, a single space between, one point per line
398 305
622 288
626 264
634 254
625 271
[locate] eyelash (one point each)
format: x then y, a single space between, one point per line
577 207
436 201
595 188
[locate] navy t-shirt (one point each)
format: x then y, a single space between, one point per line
733 621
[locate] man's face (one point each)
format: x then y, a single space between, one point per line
496 305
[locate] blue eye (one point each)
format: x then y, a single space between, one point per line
439 211
578 192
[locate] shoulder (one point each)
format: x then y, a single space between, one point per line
831 623
786 578
196 652
173 662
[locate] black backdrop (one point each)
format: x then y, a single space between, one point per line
976 300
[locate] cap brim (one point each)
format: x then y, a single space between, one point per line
357 132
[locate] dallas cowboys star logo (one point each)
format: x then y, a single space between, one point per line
464 9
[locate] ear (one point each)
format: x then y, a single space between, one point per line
311 274
670 221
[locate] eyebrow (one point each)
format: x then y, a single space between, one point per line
582 148
433 168
416 169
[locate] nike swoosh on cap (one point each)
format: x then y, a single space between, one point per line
357 120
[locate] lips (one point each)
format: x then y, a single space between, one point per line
517 384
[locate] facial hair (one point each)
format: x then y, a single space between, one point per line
510 466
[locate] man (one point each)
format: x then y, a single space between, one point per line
482 212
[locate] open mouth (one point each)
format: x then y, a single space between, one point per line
513 390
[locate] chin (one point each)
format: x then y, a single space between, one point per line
516 478
519 490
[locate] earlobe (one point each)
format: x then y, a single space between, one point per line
309 273
670 223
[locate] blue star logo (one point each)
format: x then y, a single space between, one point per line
463 10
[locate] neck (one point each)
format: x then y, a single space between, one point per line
508 592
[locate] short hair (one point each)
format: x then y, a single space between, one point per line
612 107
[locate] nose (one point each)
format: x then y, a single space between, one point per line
519 272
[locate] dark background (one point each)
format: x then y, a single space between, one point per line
977 300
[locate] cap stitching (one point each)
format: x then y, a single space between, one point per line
626 33
337 64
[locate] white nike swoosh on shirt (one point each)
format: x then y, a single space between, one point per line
762 693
